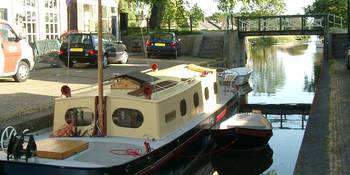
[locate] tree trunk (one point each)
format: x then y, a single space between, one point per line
157 15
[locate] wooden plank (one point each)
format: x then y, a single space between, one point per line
59 149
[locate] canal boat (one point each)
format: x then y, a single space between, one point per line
242 74
243 130
148 118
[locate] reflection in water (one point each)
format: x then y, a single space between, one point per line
284 73
295 50
268 75
218 161
287 74
247 162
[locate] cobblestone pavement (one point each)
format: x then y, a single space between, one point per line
325 148
339 119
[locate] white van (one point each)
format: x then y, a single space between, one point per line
16 55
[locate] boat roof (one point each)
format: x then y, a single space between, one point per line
138 76
165 83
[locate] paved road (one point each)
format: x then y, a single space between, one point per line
38 92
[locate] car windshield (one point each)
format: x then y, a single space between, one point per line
161 36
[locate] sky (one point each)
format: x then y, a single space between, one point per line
292 6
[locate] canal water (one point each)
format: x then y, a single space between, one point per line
283 73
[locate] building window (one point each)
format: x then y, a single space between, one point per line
3 13
183 107
170 116
206 93
28 3
51 25
30 20
105 24
79 116
88 15
128 118
195 99
51 3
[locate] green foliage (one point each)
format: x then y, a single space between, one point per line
263 41
136 31
169 12
253 7
263 8
337 7
227 6
196 13
217 17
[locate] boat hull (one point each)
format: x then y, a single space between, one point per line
241 138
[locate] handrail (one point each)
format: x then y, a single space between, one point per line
317 22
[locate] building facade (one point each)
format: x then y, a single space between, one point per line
48 19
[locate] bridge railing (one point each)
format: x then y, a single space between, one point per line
318 22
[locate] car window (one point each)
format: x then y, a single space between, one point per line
78 39
6 32
105 38
162 36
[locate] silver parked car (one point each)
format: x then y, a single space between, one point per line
116 50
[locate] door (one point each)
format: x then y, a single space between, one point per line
11 47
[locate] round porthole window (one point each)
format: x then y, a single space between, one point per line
196 99
183 107
206 93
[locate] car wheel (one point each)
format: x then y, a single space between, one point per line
22 72
69 63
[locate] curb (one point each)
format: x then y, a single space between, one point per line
34 121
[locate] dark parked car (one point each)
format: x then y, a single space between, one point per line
83 48
163 43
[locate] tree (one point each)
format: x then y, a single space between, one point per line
253 7
217 17
161 9
197 14
336 7
263 7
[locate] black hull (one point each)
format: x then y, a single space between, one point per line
233 138
187 146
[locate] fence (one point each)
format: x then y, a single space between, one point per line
45 51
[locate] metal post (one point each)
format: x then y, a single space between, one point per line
302 121
281 121
348 24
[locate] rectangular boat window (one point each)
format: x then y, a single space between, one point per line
170 116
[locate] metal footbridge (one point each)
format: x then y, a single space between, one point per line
287 25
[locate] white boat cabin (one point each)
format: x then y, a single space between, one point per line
143 105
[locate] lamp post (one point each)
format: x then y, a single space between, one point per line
348 24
